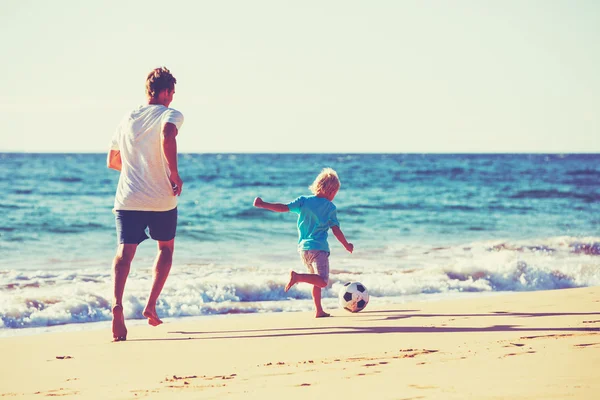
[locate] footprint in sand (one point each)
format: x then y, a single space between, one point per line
586 344
518 354
59 392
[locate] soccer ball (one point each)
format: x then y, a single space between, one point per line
353 296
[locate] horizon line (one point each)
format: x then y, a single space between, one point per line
333 152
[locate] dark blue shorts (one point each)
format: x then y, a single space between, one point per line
131 225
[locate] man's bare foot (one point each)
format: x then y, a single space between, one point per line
152 316
118 324
322 314
292 282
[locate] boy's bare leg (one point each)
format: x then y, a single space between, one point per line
316 294
317 283
121 267
162 267
292 282
313 279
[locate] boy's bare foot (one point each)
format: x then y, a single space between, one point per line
152 316
322 314
118 324
292 282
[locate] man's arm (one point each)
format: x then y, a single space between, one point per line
169 147
113 160
277 207
339 235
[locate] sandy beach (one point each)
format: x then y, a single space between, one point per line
534 345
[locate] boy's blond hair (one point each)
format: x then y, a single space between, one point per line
326 183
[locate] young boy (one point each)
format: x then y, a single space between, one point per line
316 214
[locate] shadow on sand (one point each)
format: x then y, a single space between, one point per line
374 329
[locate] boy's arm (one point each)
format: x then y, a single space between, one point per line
339 235
277 207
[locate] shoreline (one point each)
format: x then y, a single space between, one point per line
332 303
526 345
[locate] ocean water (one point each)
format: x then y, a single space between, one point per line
424 226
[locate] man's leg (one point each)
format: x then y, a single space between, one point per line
162 267
121 266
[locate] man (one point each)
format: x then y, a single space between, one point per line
144 150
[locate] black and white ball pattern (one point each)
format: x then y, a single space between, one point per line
354 296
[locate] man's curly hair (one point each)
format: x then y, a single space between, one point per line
158 80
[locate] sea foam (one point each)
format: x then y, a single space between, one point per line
40 298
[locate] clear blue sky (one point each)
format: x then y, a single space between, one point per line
307 76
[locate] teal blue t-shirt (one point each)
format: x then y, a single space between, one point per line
315 216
